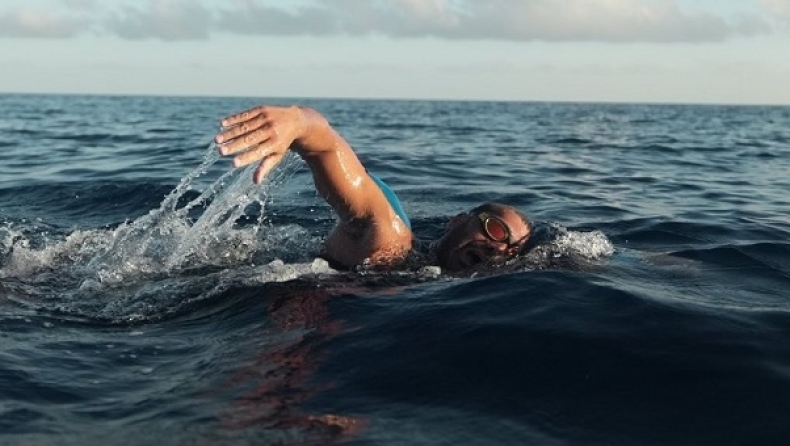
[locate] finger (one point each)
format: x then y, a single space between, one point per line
266 166
250 140
241 129
244 116
255 154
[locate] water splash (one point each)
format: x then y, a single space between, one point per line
591 245
170 237
146 264
565 248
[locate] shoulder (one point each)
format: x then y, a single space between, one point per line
382 239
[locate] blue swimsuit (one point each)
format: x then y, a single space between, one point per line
392 198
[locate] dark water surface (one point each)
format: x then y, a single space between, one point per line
148 295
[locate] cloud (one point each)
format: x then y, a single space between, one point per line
81 5
779 9
596 20
37 24
508 20
162 19
252 17
513 20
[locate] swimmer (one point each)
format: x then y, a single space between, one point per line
372 227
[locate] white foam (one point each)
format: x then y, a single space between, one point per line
591 245
566 248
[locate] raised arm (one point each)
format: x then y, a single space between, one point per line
368 224
264 134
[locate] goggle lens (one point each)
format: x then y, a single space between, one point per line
496 229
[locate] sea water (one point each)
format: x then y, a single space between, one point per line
150 294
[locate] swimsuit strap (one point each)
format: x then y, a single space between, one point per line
392 198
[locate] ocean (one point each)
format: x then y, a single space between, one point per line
151 295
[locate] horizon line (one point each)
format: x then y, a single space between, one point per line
399 99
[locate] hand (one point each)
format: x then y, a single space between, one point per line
261 134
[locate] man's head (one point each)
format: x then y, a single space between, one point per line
492 232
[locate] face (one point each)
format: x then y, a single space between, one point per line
467 243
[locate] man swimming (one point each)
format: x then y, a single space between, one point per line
372 227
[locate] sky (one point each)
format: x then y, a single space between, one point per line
665 51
